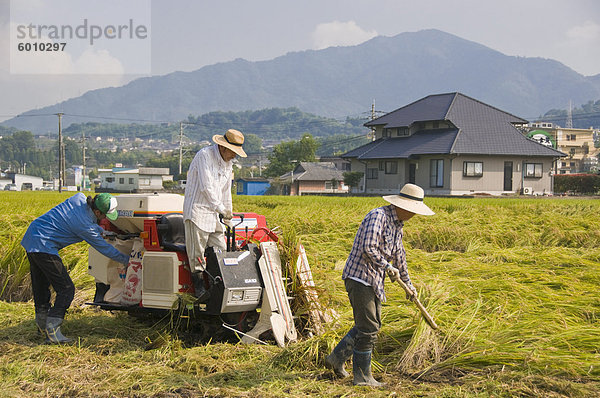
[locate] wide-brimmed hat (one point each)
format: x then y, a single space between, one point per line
107 204
410 199
233 140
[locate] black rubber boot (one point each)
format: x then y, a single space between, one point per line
41 313
55 336
361 367
341 353
200 291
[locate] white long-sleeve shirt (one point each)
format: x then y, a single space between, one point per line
208 188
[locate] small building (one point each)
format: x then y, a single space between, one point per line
143 179
252 186
314 178
25 182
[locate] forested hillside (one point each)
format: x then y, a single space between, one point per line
268 124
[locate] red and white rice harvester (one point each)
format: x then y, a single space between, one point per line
247 293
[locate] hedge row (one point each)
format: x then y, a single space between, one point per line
577 183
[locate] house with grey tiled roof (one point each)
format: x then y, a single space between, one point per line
314 178
452 144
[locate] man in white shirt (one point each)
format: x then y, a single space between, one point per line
208 194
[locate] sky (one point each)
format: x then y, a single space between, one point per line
185 35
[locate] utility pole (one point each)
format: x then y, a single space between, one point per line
180 146
83 171
181 124
260 165
373 118
60 152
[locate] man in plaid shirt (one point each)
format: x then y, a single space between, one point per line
377 250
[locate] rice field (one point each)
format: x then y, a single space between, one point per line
513 284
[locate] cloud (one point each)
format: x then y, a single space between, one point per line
58 82
98 62
338 33
588 31
577 40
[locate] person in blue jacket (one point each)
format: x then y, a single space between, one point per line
74 220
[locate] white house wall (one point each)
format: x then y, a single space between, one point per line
423 172
492 181
151 182
126 182
454 183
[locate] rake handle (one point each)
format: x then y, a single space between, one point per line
422 309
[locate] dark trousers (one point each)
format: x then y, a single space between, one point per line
48 270
366 309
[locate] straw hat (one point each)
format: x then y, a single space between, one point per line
233 140
410 199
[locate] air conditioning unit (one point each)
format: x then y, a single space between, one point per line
527 191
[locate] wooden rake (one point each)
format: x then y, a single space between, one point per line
422 309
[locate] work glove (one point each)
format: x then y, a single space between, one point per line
228 222
227 214
412 293
393 273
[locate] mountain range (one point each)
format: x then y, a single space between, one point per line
337 82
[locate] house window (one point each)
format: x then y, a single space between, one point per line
121 180
384 133
131 181
110 179
381 165
533 170
403 131
391 167
472 169
436 176
331 184
571 137
372 174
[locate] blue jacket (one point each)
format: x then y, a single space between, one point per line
70 222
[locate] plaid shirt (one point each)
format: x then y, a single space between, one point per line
378 243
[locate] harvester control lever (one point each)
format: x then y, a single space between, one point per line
113 235
230 233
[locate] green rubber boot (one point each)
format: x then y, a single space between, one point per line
55 336
41 313
341 353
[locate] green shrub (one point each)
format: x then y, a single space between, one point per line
577 183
